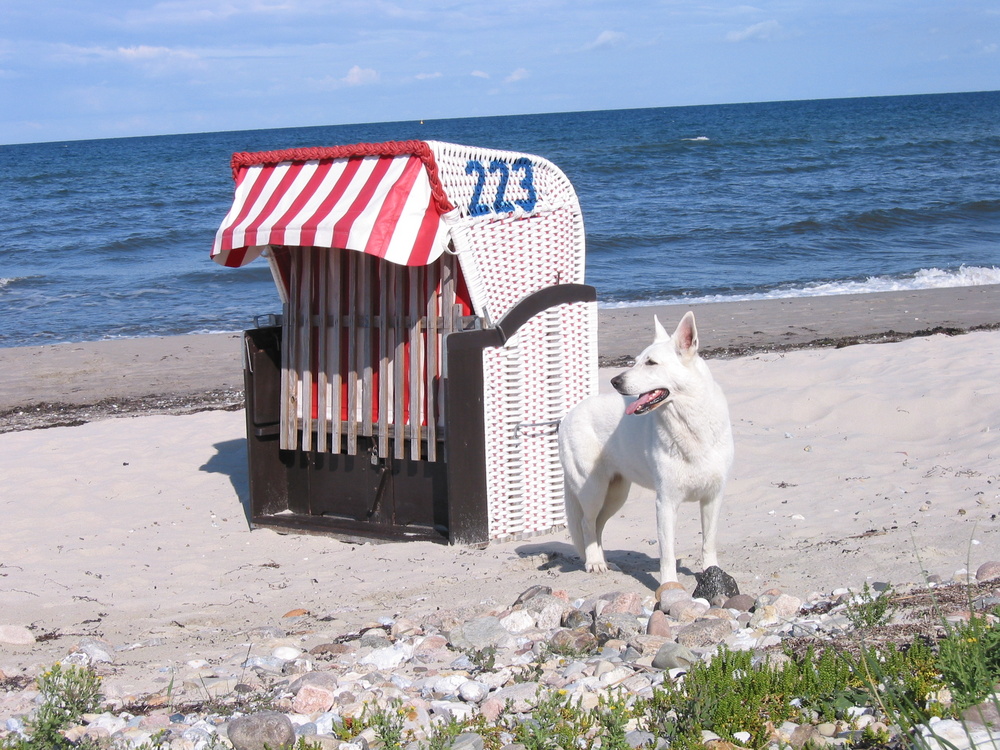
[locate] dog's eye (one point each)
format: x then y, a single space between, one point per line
651 362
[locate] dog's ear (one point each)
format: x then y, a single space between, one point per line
686 336
661 332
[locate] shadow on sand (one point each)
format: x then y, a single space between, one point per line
563 557
231 459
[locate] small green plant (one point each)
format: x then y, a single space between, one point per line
870 609
483 660
66 695
612 716
569 652
827 683
727 695
532 672
556 723
443 735
969 660
387 723
733 694
873 737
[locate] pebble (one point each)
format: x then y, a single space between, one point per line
96 650
260 731
479 634
954 735
616 626
668 597
659 624
703 633
16 635
715 582
988 571
674 656
740 602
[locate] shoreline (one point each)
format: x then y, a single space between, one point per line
74 383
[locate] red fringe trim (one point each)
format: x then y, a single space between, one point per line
419 149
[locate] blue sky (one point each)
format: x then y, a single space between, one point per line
76 69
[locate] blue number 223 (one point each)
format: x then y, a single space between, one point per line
500 202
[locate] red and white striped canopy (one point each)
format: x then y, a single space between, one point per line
384 199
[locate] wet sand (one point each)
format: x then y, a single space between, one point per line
74 383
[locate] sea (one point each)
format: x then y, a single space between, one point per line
110 238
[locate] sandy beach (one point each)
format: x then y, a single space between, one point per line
855 463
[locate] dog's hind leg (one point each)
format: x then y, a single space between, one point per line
574 517
709 526
615 495
579 497
598 501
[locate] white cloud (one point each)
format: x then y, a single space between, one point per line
138 53
518 75
358 76
427 76
606 39
480 74
765 30
145 52
200 11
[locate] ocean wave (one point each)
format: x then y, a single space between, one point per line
6 282
925 278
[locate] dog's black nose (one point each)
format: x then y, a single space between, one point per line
616 381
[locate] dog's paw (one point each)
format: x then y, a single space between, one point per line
602 567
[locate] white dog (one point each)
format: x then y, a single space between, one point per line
675 438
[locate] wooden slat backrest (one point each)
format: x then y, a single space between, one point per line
363 330
352 260
415 281
304 350
385 349
322 279
434 355
363 353
397 346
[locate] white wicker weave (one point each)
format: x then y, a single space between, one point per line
551 363
506 255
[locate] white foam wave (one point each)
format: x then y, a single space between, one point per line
699 138
925 278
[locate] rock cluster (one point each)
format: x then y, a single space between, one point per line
447 667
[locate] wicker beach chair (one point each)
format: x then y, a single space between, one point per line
435 329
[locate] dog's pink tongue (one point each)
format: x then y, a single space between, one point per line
645 398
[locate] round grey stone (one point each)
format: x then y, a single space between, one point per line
988 571
704 633
467 741
480 633
267 729
673 656
741 602
616 626
576 618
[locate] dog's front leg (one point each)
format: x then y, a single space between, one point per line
709 525
666 520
